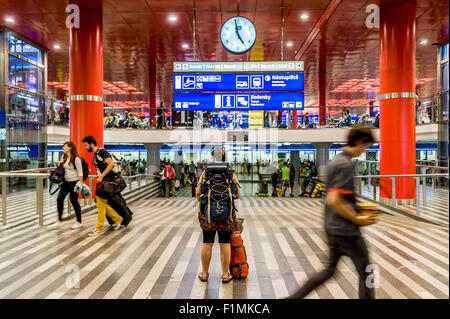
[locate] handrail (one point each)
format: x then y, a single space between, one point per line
34 170
404 175
435 167
393 189
39 190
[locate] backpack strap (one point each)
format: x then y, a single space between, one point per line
208 212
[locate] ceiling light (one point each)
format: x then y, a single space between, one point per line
304 16
424 42
289 44
9 19
56 46
172 18
185 46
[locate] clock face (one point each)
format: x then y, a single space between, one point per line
238 35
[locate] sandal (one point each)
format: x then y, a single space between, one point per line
203 277
227 278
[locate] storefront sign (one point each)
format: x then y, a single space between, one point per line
239 82
239 101
31 150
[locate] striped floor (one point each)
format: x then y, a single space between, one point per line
436 209
158 255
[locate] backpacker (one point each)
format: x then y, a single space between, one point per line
85 168
218 189
168 172
238 263
313 169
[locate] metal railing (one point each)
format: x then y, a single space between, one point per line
418 178
40 177
423 168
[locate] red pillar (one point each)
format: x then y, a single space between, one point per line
322 98
397 92
86 77
294 119
152 99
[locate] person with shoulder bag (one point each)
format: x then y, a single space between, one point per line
216 191
107 172
73 174
170 176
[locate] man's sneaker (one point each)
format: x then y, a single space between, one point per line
117 226
95 233
77 225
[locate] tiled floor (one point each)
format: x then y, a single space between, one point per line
158 255
435 210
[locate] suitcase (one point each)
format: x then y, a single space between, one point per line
118 203
238 263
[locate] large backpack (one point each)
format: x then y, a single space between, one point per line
117 169
168 172
238 263
218 189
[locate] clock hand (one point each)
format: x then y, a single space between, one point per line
236 29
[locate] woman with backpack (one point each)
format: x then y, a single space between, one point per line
73 173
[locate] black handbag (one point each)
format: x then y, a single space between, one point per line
107 189
56 177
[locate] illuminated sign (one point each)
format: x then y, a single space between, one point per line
263 66
239 82
238 101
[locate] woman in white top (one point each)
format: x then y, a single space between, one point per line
73 172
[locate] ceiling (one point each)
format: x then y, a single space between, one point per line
139 40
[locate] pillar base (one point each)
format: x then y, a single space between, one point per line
390 202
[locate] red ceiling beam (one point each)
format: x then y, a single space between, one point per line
317 27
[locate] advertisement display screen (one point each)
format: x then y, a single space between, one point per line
239 82
238 101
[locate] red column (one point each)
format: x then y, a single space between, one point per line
322 98
152 99
294 119
397 92
86 76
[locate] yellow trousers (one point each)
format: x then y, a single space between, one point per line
103 210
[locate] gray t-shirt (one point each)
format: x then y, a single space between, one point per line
340 179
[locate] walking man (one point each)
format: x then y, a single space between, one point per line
342 221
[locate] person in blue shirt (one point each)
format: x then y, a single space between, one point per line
306 179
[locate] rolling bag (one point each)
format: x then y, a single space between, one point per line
118 203
238 264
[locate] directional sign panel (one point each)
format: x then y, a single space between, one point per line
253 66
238 101
239 82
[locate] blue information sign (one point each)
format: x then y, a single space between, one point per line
239 82
238 101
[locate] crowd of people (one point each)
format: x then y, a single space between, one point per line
126 120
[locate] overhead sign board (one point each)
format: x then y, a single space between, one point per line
262 66
238 82
238 101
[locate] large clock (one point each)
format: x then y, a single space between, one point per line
238 35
